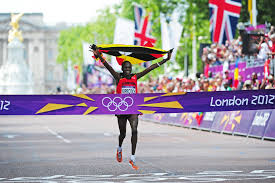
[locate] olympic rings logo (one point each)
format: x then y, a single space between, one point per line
117 103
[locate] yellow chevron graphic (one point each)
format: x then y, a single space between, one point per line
149 98
172 94
174 104
146 111
82 105
233 126
238 118
89 110
183 116
225 118
52 107
164 95
83 96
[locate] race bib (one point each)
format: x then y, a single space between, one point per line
128 90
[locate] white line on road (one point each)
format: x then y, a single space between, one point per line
57 135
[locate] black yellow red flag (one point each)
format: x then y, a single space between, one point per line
131 53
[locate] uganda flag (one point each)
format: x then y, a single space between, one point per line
131 53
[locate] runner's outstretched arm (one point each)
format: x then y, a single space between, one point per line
94 49
154 66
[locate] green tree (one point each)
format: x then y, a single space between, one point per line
194 18
70 40
196 25
188 9
265 10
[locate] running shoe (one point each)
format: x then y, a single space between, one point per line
133 164
119 156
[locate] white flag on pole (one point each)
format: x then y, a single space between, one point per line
87 55
71 81
170 33
124 34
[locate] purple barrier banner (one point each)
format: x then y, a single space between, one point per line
232 121
168 118
208 120
189 119
245 69
183 119
220 123
259 122
242 122
270 129
136 104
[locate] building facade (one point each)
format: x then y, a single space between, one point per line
40 53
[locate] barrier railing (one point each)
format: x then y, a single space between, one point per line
253 123
146 103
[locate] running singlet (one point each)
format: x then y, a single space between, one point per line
127 86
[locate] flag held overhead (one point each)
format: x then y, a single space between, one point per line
131 53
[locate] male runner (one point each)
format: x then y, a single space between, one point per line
127 84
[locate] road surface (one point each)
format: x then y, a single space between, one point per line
82 149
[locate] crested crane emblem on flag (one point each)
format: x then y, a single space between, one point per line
224 15
131 53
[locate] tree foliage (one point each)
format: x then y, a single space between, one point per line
265 10
70 40
194 18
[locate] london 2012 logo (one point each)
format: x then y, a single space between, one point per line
117 103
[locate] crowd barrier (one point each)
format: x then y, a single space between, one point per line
247 112
253 123
145 103
245 66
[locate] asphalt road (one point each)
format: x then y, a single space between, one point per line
82 149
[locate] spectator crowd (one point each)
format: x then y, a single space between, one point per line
167 84
215 54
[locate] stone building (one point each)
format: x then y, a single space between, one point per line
40 53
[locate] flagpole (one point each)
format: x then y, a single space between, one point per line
254 13
194 52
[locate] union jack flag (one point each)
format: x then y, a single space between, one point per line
224 15
142 27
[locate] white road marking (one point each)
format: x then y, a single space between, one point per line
9 136
263 171
107 134
218 172
205 176
53 177
57 135
178 139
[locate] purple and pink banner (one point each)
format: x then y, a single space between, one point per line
255 123
136 104
246 68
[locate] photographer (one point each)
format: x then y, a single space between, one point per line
263 47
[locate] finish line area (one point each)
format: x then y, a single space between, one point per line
76 148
